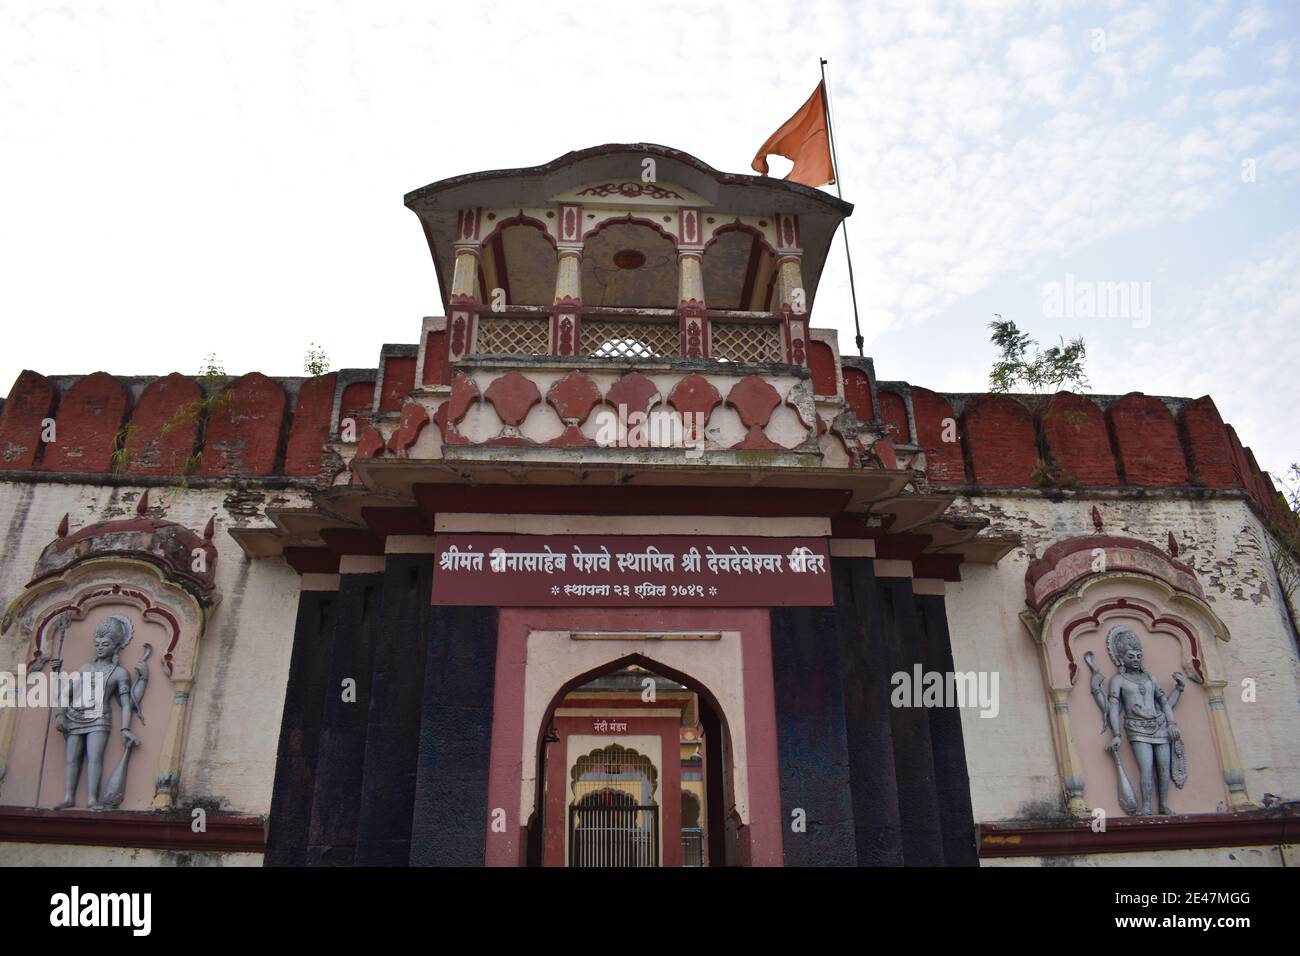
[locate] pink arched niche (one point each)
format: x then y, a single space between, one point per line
1178 633
732 675
33 782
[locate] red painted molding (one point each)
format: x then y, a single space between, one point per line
1130 835
154 831
312 560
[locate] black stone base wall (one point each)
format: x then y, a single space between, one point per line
872 784
397 776
400 775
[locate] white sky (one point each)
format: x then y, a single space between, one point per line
185 178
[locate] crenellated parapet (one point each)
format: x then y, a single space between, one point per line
832 413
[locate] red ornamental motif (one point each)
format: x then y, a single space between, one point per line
797 348
693 340
566 336
630 190
458 335
787 227
690 227
570 226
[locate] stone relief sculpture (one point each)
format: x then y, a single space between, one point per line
87 721
1136 703
109 580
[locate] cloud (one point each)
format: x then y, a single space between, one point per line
1250 23
187 179
1245 319
1206 62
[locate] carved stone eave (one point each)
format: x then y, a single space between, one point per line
393 484
398 477
908 512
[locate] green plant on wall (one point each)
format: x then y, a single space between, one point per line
316 363
1038 373
124 443
214 397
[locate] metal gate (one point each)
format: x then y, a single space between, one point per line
613 818
610 829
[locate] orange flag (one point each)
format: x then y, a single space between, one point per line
804 141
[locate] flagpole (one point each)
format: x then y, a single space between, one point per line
830 129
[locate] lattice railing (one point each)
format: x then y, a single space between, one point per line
754 342
604 338
512 335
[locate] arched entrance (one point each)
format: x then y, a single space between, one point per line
581 788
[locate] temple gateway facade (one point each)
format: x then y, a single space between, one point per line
620 562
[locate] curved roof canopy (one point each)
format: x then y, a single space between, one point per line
437 204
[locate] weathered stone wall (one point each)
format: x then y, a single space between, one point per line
49 854
1012 761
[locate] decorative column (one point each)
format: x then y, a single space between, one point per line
691 315
461 324
567 308
690 306
1233 775
169 761
792 298
1068 754
566 311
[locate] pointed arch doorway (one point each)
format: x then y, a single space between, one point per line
620 804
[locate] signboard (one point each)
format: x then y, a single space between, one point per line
630 571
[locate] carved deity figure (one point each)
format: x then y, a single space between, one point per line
1137 703
87 721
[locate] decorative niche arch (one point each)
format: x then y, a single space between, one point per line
160 577
605 766
1077 594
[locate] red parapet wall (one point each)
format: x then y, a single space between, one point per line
164 426
1208 450
357 404
1075 429
399 379
893 412
938 436
89 418
69 425
821 362
437 370
244 428
1001 440
30 402
311 426
1146 436
857 392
